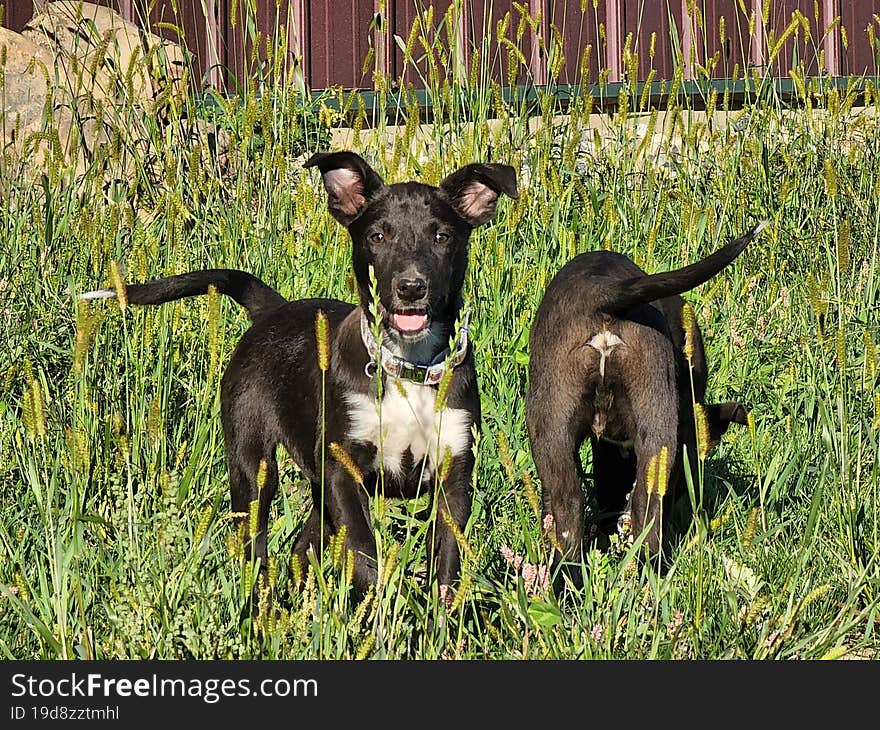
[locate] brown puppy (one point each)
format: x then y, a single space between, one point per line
608 361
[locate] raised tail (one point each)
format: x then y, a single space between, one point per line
629 293
246 289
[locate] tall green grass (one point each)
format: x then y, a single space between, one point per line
116 538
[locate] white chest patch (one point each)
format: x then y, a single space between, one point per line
408 421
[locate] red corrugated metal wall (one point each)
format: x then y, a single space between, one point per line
16 14
338 37
719 27
196 29
329 40
401 17
579 29
858 58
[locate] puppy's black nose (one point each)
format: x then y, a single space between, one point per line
411 290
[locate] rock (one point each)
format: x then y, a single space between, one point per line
105 55
24 91
105 87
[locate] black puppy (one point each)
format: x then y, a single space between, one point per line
414 239
608 361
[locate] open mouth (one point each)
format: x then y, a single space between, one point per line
410 322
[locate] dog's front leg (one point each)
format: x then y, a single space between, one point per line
345 503
314 536
453 501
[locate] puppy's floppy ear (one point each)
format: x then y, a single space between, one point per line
350 182
720 416
474 189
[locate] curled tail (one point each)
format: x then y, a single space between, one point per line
621 296
246 289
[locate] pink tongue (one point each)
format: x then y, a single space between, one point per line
411 322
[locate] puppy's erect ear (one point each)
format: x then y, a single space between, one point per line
720 416
474 189
350 182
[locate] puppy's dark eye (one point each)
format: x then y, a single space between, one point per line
377 237
441 237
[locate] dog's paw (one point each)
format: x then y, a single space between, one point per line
447 595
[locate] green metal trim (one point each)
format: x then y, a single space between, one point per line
604 95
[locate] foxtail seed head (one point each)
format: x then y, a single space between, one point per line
389 563
348 575
748 533
34 409
253 517
651 476
814 595
262 473
445 465
870 354
531 493
505 457
322 337
337 546
366 647
689 324
118 284
360 613
462 592
344 458
830 174
154 419
213 326
203 523
442 390
663 471
295 569
702 425
86 324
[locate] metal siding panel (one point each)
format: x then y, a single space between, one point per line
641 18
579 29
270 17
734 47
856 16
16 13
482 20
794 50
338 42
189 27
402 18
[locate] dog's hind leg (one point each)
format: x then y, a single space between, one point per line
556 431
253 476
614 475
654 476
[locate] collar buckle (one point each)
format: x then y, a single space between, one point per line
413 371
